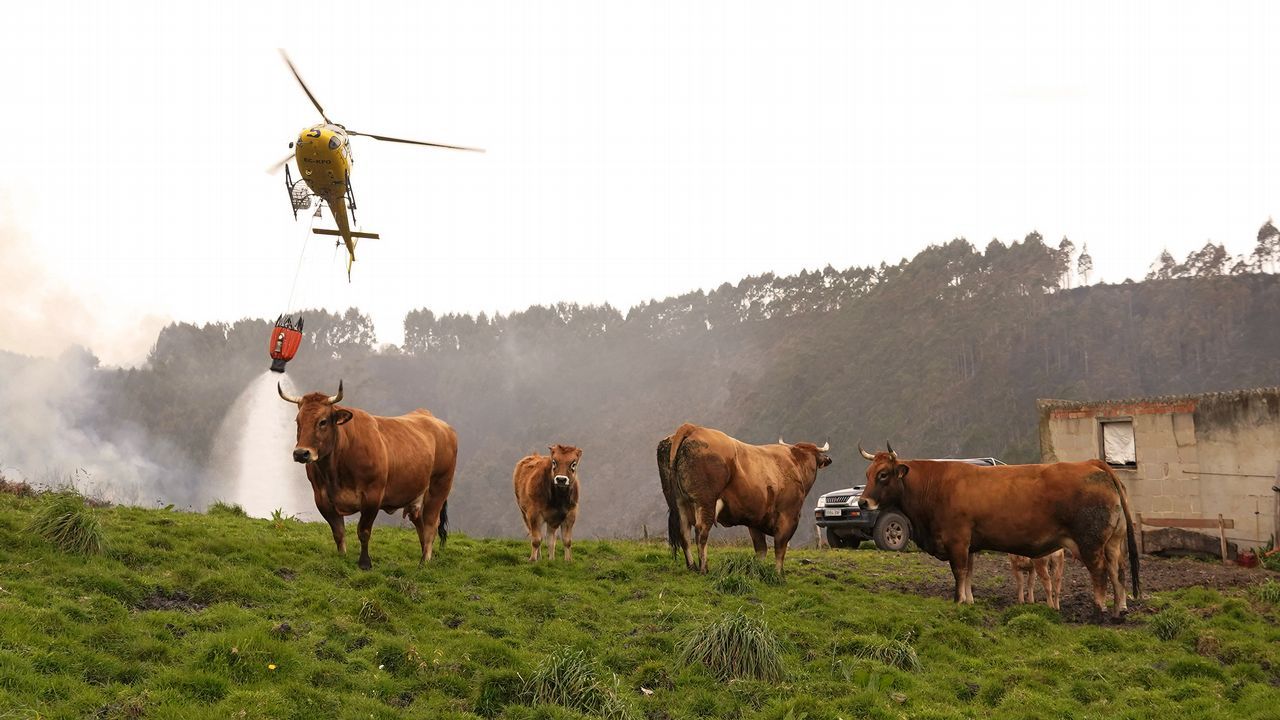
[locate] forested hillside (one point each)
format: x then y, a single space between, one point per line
943 354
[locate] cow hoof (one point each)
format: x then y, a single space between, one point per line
365 565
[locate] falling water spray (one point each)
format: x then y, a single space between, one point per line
255 444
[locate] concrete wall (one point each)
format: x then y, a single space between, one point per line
1197 456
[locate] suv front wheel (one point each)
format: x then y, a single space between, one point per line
892 532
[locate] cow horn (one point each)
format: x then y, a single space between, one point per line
825 446
781 441
892 454
865 454
294 400
335 399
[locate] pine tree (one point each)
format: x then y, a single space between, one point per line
1066 249
1085 264
1163 268
1209 261
1266 255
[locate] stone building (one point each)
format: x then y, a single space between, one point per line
1187 456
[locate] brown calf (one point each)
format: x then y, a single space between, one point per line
547 492
1048 568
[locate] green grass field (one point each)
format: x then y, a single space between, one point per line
220 616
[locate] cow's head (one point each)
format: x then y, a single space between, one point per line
564 466
808 452
885 478
318 419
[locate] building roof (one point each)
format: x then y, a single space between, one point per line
1155 401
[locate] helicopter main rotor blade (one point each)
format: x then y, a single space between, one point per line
414 142
305 89
275 166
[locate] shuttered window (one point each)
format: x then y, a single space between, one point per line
1117 443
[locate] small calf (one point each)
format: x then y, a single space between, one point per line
546 489
1048 567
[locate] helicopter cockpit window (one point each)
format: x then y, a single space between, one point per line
335 142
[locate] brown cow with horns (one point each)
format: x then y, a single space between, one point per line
957 509
709 477
362 463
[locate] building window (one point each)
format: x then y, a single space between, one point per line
1117 444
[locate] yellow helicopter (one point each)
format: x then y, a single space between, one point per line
323 155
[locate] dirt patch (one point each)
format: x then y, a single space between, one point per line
286 574
176 600
993 584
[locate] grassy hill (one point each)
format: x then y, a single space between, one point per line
192 616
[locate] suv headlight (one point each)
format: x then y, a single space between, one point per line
822 501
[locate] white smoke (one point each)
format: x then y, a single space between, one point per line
45 437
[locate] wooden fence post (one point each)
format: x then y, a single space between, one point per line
1222 537
1275 519
1138 535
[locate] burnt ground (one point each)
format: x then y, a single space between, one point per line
993 584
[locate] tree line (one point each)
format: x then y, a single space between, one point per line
943 354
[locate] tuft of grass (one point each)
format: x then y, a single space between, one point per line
1050 615
747 567
498 689
371 612
1268 592
733 585
64 519
278 519
221 508
572 680
1028 625
1170 623
737 646
895 652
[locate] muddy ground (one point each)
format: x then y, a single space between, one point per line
993 583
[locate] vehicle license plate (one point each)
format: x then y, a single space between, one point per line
832 512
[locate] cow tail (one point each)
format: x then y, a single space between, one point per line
669 483
668 494
442 530
1133 545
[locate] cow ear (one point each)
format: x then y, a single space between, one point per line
902 472
342 416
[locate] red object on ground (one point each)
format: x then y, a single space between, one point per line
1247 558
285 339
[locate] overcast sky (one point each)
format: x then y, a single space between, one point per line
635 149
